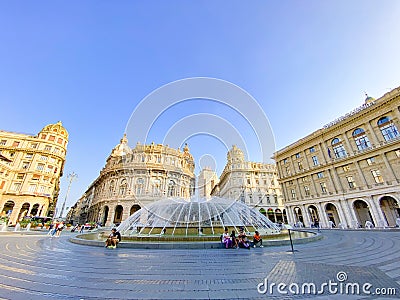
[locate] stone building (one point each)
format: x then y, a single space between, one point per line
253 183
133 177
206 180
348 172
30 171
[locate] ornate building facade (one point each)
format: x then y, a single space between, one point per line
253 183
206 181
135 177
347 173
30 171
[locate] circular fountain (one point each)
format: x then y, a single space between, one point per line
194 219
176 223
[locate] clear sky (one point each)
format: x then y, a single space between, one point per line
90 63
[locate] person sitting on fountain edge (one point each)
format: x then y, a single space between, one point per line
257 240
113 239
243 240
226 239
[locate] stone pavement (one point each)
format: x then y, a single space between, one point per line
34 266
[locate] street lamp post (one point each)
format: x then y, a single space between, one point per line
72 176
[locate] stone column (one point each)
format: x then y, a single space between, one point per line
14 214
306 216
389 167
375 140
376 212
323 218
348 144
110 217
342 213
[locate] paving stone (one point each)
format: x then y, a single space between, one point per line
33 266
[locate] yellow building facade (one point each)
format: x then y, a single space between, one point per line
30 171
346 174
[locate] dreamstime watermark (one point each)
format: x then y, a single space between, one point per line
334 287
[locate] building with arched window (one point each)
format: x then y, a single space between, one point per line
253 183
133 177
348 172
30 171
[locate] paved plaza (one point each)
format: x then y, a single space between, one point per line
34 266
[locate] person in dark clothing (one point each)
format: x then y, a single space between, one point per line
113 239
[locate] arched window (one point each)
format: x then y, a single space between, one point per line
139 186
112 187
388 129
122 187
338 148
361 139
171 188
156 187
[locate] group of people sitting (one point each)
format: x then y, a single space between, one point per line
240 241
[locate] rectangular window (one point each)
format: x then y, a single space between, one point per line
320 174
40 167
312 150
52 138
397 152
25 165
346 168
43 157
59 140
43 136
285 161
307 190
293 192
370 160
42 189
377 176
35 177
248 181
298 155
315 160
32 188
20 176
3 142
34 145
49 169
351 182
287 171
47 148
300 164
29 155
15 144
56 151
16 186
323 187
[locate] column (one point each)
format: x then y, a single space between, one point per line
348 144
377 214
14 214
375 140
110 217
306 216
342 213
323 218
389 167
361 174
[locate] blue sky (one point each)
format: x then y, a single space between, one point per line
90 63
